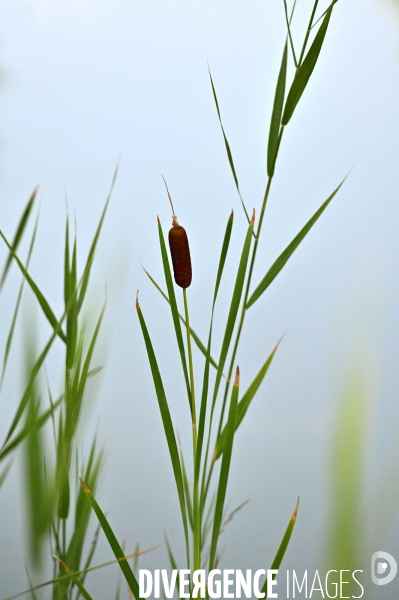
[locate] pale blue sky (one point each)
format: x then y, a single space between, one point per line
85 84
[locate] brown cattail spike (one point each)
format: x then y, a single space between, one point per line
179 250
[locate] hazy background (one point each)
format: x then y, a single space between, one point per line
85 84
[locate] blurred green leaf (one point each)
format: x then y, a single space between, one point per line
18 234
90 258
17 305
30 427
41 299
284 256
305 70
72 314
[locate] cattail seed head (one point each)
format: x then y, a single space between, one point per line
179 250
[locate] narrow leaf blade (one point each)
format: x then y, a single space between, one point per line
305 70
284 544
19 233
274 133
246 400
113 542
284 256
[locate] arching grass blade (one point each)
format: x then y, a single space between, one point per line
284 256
227 146
17 305
40 297
18 234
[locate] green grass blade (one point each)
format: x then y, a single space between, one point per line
82 513
284 256
224 470
172 561
167 423
234 306
75 579
5 472
274 133
40 297
173 307
194 336
113 542
189 503
227 146
284 544
305 70
90 257
31 426
66 264
223 254
18 234
244 403
35 370
17 305
72 314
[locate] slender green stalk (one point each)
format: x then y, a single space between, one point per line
196 503
309 29
240 326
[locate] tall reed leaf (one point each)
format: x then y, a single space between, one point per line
167 423
113 542
244 403
274 133
284 256
305 70
284 544
18 234
224 470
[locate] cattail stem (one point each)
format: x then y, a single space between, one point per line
196 503
240 326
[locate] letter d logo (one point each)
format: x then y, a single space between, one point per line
379 568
